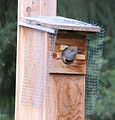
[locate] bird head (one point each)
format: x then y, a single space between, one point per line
69 54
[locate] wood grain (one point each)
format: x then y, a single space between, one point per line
78 67
79 64
36 8
62 23
66 97
33 72
30 8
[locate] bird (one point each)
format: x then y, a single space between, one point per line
69 54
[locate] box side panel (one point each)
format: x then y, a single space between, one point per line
31 74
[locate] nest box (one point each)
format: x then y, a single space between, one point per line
51 83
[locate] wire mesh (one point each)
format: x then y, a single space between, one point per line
34 88
94 59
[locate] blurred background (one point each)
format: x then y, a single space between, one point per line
97 11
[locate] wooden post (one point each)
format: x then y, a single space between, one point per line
29 8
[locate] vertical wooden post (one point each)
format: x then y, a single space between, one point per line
28 8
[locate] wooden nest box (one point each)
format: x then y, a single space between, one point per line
48 88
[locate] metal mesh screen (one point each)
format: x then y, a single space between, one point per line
35 82
94 58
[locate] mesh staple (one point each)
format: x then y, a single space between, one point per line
94 59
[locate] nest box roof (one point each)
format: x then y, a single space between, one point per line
52 23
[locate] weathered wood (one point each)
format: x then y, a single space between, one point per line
33 70
61 23
30 8
80 43
44 29
36 8
78 66
66 97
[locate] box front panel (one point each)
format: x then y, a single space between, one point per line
67 40
66 87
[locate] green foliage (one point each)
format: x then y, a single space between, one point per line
7 68
105 104
8 31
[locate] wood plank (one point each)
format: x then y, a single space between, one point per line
61 23
36 8
70 34
66 97
44 29
19 71
34 71
79 64
78 67
30 8
72 42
